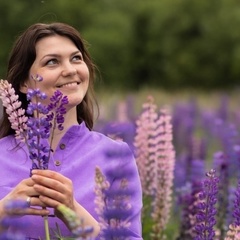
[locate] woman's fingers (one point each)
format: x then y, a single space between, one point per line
53 188
49 196
36 201
52 175
28 211
37 211
48 182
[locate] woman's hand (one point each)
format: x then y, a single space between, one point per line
54 189
23 191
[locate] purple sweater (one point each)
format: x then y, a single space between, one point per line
76 157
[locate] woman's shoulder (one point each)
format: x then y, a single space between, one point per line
10 147
82 133
110 140
8 141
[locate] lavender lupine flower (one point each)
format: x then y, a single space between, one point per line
206 211
16 114
233 232
184 124
236 211
220 163
11 227
38 129
186 201
113 208
57 110
44 118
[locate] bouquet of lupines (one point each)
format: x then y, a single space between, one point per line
36 124
41 119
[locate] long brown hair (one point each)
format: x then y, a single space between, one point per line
23 55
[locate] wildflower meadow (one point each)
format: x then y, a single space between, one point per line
188 156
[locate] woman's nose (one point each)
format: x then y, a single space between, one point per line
68 70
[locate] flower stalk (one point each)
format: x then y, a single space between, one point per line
206 210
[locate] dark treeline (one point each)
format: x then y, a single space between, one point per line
157 43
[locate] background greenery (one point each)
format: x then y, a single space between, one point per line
169 44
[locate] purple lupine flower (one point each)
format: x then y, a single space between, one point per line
186 201
11 227
184 124
230 208
38 129
236 210
57 110
46 118
206 211
220 163
112 207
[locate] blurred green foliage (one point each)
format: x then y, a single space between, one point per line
170 44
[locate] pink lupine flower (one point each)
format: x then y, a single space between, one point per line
233 233
16 114
164 159
144 134
155 158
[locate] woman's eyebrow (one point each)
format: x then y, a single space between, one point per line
58 55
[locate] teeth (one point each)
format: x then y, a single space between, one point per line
69 84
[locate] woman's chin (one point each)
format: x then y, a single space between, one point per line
73 102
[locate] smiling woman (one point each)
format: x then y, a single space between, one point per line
60 67
56 52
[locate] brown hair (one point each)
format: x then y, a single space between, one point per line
23 55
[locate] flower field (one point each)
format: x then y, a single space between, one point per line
187 149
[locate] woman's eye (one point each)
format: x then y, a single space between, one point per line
51 62
77 58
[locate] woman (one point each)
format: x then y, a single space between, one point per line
58 54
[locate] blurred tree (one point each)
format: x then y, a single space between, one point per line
192 43
167 43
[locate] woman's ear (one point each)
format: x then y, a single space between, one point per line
24 88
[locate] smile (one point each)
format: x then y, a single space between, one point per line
71 84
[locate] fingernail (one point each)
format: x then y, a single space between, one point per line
34 171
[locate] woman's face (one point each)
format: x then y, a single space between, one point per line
61 65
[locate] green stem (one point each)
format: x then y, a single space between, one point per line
46 227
